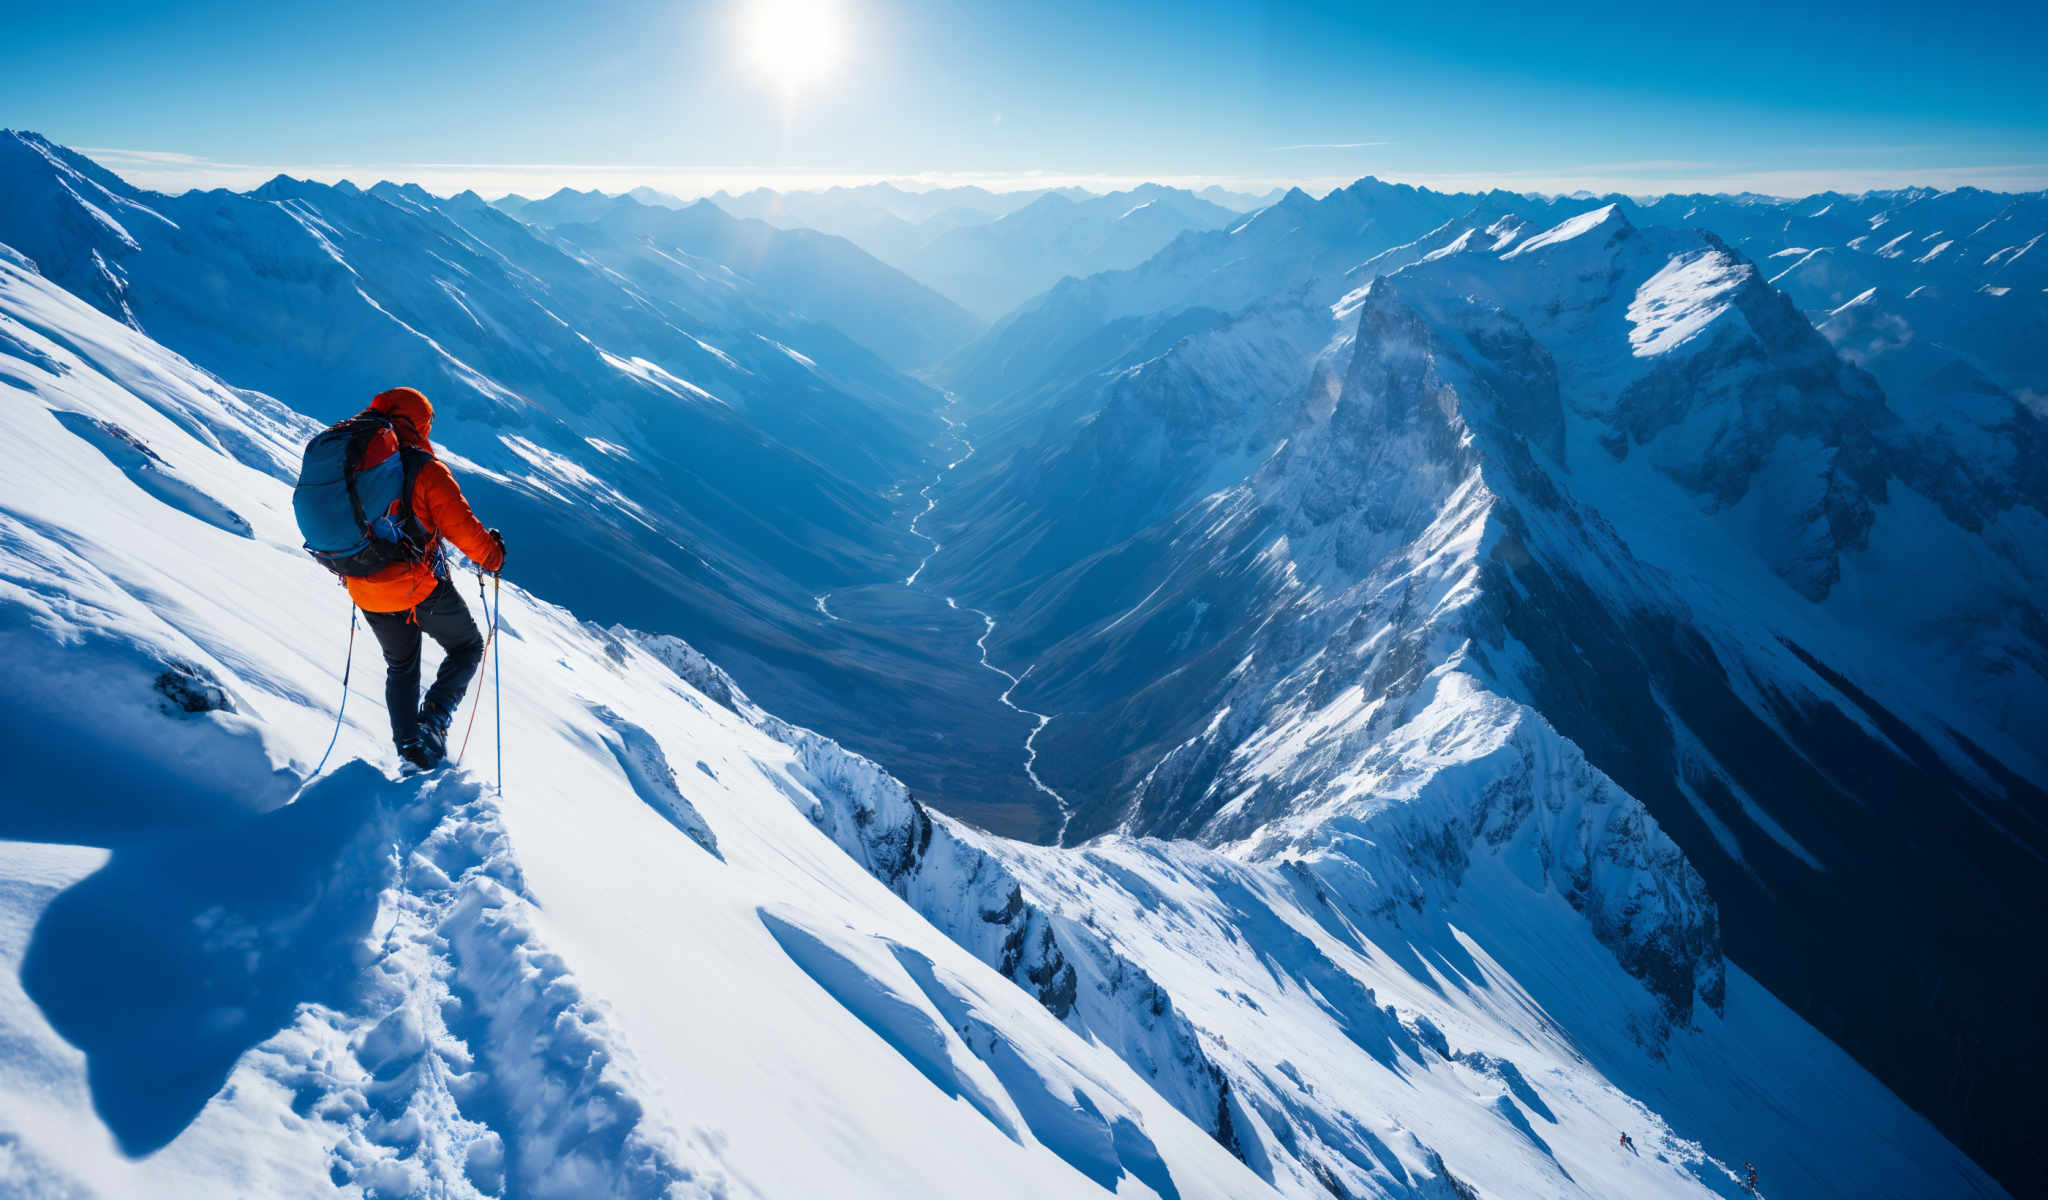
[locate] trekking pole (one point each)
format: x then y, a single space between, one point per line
497 683
345 670
482 665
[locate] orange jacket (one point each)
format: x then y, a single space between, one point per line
437 503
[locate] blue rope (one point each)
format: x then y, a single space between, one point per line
343 710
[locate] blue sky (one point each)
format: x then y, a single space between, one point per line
524 94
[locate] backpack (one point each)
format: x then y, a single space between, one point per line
354 498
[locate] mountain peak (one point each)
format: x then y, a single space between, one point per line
281 187
29 137
1601 225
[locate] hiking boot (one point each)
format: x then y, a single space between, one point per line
434 731
420 753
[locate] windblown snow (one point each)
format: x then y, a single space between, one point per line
1683 298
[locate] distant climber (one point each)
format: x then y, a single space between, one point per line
373 503
1749 1181
1626 1144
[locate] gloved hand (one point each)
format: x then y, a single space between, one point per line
499 538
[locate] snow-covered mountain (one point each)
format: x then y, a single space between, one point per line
664 444
639 969
889 222
1476 657
992 268
805 207
686 949
990 251
1601 471
815 276
1085 325
1238 200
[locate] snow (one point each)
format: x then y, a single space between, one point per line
450 990
1567 230
1422 945
1673 306
1630 407
1457 245
656 374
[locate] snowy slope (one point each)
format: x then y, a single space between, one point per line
641 971
663 446
691 950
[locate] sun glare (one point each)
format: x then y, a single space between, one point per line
794 43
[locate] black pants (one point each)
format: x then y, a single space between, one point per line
445 618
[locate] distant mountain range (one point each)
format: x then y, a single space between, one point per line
989 251
814 276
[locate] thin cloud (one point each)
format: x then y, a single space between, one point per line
1331 146
105 155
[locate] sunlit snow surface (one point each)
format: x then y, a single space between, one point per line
1682 299
415 986
688 949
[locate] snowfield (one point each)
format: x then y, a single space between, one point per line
378 985
683 948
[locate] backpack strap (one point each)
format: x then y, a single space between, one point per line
414 459
363 427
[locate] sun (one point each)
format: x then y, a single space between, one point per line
794 43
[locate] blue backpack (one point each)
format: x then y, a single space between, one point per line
354 498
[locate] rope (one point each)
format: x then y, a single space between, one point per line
345 670
482 665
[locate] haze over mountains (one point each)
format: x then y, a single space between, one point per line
988 251
1370 695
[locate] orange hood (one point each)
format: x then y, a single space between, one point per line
410 411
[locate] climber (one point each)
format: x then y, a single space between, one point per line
1625 1143
374 503
1750 1180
